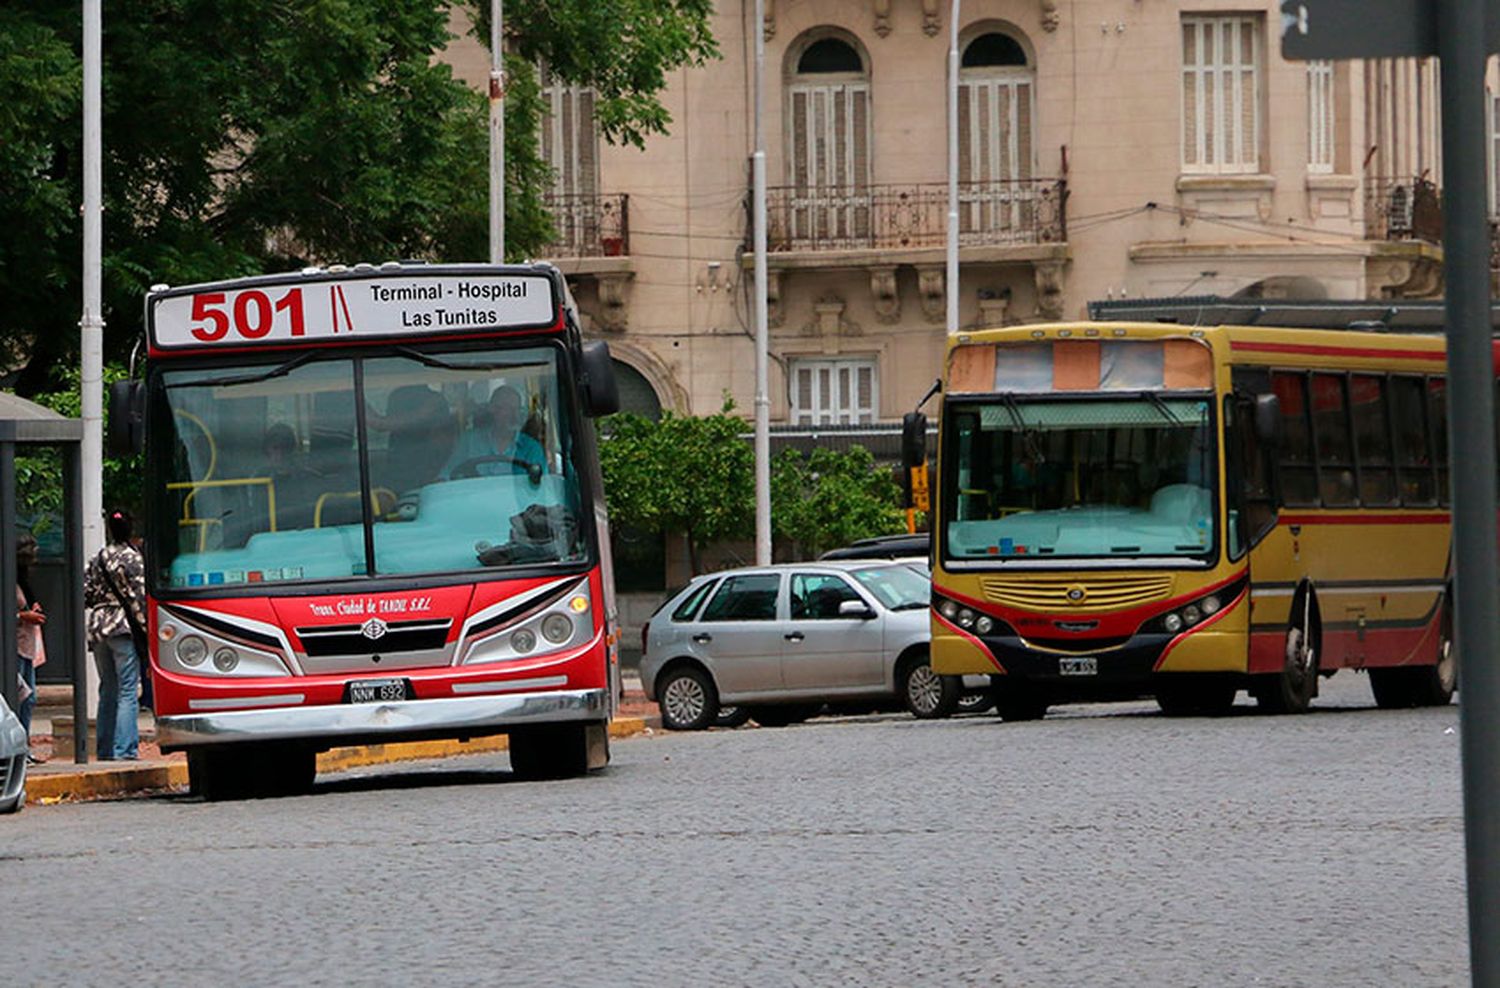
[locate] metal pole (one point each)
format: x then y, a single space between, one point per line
78 650
950 274
91 343
762 332
10 658
1471 444
497 133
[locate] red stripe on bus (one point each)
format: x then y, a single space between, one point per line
973 640
1310 350
1426 518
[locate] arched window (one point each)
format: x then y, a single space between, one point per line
996 146
828 142
636 393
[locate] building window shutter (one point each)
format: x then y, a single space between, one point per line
838 391
1221 94
1320 119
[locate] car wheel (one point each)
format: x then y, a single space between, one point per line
688 699
783 714
926 694
732 717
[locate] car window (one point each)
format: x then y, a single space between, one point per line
817 596
898 587
751 597
694 600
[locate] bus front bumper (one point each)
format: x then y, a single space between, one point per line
345 724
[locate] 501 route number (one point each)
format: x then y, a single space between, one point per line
252 316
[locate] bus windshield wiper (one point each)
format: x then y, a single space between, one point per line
280 370
1012 406
1162 406
441 364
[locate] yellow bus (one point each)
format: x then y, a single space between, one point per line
1187 499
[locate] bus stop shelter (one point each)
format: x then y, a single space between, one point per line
25 425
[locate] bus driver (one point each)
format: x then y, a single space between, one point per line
501 447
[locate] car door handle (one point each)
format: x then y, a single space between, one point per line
795 636
703 639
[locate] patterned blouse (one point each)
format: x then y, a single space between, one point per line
119 565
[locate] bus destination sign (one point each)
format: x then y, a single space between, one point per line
316 311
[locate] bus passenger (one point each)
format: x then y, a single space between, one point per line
293 479
501 447
422 437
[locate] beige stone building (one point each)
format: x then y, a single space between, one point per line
1107 148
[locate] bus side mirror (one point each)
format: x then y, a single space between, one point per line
913 440
1268 420
601 392
126 422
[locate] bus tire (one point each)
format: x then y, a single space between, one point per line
1420 686
1291 690
558 751
1017 701
926 695
687 698
1195 697
251 771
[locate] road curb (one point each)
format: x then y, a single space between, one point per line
121 779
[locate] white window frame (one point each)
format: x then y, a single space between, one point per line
1492 145
1321 118
995 193
841 406
1222 73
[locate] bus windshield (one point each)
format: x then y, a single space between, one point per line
1081 479
407 463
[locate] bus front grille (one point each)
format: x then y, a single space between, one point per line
354 639
1047 593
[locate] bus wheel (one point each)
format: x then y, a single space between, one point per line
926 694
251 771
1291 690
1195 697
1020 701
688 699
1419 686
558 751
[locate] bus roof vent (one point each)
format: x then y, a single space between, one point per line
337 268
364 266
312 269
390 265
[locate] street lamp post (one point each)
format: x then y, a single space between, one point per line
91 325
950 274
762 344
497 134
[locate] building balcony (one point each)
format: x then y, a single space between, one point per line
589 225
1403 209
1023 213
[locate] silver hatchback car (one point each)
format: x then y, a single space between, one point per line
13 748
777 642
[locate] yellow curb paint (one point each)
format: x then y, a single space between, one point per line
102 782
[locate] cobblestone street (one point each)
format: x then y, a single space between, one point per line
1104 845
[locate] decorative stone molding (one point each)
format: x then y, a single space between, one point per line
886 293
930 287
993 311
1050 17
662 376
882 17
930 17
612 291
829 324
1417 277
769 26
1049 284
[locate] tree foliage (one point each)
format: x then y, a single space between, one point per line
831 498
693 475
256 135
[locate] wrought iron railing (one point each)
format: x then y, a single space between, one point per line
1403 209
590 225
893 217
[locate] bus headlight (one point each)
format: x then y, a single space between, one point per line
1191 614
191 651
948 609
1172 623
1210 605
966 618
557 628
523 641
225 659
984 625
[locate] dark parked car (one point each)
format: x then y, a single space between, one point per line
884 547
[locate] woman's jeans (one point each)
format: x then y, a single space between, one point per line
28 675
119 678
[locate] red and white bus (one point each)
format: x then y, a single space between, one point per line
374 514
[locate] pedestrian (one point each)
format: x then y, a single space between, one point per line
114 590
29 621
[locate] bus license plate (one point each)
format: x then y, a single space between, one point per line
1078 667
377 690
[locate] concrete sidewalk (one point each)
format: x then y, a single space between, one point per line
60 779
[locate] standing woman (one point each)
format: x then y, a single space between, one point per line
114 590
29 621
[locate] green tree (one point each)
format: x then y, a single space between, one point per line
693 475
831 498
258 135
